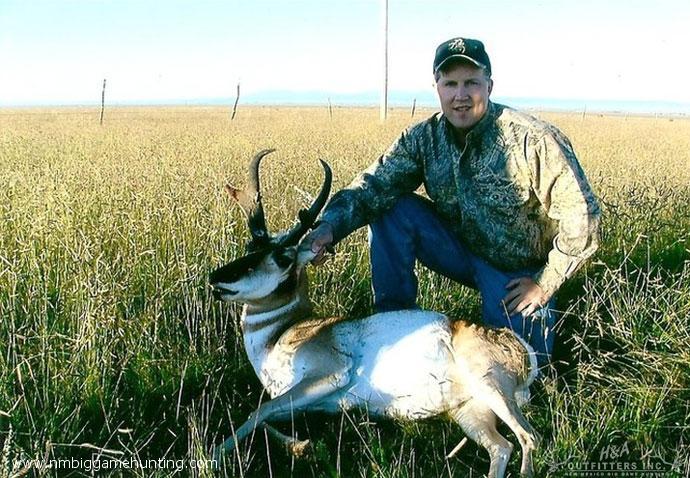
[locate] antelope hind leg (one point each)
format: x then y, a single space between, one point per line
478 422
506 408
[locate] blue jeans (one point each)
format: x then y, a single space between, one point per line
412 231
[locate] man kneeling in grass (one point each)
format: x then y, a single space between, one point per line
510 214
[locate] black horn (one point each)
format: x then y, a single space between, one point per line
307 217
249 200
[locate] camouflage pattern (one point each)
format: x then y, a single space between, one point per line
516 195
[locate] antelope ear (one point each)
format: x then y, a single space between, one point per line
237 194
250 204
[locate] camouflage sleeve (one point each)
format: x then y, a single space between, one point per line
562 187
375 190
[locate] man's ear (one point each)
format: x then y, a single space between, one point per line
491 85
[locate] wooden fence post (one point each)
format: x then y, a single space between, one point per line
237 99
102 101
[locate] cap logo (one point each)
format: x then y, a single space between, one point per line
457 45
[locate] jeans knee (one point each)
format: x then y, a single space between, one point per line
410 203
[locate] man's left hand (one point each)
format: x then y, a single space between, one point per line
524 296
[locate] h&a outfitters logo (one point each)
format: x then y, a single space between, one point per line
617 460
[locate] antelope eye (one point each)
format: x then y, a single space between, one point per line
282 259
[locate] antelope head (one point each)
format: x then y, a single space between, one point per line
272 263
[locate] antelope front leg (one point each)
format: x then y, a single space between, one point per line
299 398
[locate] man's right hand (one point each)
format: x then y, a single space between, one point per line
318 240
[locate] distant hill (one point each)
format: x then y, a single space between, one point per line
425 98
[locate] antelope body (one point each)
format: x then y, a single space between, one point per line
409 364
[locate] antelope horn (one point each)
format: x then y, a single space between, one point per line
249 200
307 217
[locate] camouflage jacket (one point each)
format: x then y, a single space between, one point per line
516 195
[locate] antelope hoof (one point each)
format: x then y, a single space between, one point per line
527 471
299 448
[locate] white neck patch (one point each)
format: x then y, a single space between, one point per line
257 319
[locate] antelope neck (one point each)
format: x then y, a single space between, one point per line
263 329
260 316
256 318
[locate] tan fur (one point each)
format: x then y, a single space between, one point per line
499 346
308 330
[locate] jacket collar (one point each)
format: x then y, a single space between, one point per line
482 126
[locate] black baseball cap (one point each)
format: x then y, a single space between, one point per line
467 48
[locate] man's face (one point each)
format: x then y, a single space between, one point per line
463 91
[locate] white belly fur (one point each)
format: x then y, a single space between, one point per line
398 364
402 364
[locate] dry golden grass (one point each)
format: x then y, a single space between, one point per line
109 337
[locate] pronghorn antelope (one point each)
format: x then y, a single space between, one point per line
409 364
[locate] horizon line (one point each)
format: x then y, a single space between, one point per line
397 99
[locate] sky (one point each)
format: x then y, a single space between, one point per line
59 52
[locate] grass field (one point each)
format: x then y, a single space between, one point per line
110 341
